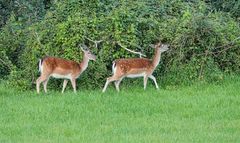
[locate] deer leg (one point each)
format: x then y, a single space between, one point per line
64 84
154 79
117 83
110 79
105 86
45 85
73 81
39 81
145 81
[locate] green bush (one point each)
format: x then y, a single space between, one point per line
200 39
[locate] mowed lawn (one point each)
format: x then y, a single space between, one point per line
199 113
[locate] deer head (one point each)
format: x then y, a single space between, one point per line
87 52
164 47
160 46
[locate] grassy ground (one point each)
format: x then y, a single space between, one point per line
200 113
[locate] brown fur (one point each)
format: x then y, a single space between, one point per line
129 65
60 66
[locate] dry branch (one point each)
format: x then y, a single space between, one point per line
95 42
139 53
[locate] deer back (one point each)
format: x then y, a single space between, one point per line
60 66
133 65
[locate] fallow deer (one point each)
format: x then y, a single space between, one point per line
64 69
136 67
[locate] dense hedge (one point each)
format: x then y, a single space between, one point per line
204 42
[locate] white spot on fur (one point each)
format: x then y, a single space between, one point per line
135 75
40 66
114 68
68 76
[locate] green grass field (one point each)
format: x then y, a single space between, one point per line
200 113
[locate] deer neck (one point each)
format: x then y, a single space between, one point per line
156 58
84 63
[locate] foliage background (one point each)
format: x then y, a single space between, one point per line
203 37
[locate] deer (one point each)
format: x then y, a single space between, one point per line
136 67
64 69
